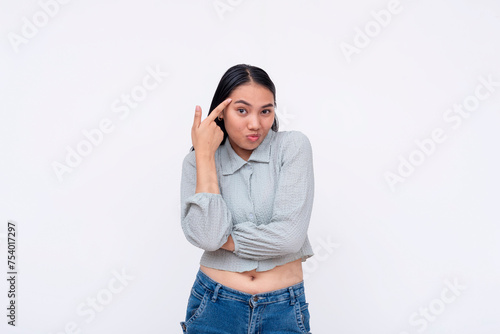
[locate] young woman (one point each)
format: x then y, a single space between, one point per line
246 199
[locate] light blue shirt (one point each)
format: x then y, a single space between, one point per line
265 204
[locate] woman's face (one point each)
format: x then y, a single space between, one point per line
248 118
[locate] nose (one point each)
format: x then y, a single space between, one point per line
253 122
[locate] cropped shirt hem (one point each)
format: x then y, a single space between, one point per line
224 260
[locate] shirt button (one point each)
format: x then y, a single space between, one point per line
250 215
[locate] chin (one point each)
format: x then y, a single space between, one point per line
255 144
251 147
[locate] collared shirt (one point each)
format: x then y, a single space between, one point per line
265 204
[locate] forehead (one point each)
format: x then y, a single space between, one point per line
252 92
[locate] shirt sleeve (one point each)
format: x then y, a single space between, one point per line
205 218
287 230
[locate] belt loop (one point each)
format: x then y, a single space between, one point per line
214 298
292 296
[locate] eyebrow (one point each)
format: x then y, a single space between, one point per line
248 104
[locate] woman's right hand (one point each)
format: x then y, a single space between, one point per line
207 135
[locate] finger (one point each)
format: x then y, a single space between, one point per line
218 109
197 117
219 134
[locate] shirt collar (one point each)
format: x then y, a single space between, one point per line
231 161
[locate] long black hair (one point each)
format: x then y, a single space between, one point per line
235 76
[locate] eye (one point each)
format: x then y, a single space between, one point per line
240 109
268 111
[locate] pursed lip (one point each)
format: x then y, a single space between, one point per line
253 137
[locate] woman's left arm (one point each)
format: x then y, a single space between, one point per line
287 230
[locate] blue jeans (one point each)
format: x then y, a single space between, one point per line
215 308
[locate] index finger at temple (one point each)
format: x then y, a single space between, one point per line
218 109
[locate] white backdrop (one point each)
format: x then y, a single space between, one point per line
400 100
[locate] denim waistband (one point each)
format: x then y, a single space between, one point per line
289 293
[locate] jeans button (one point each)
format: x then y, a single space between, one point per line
255 298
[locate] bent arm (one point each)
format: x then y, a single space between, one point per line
287 230
206 221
